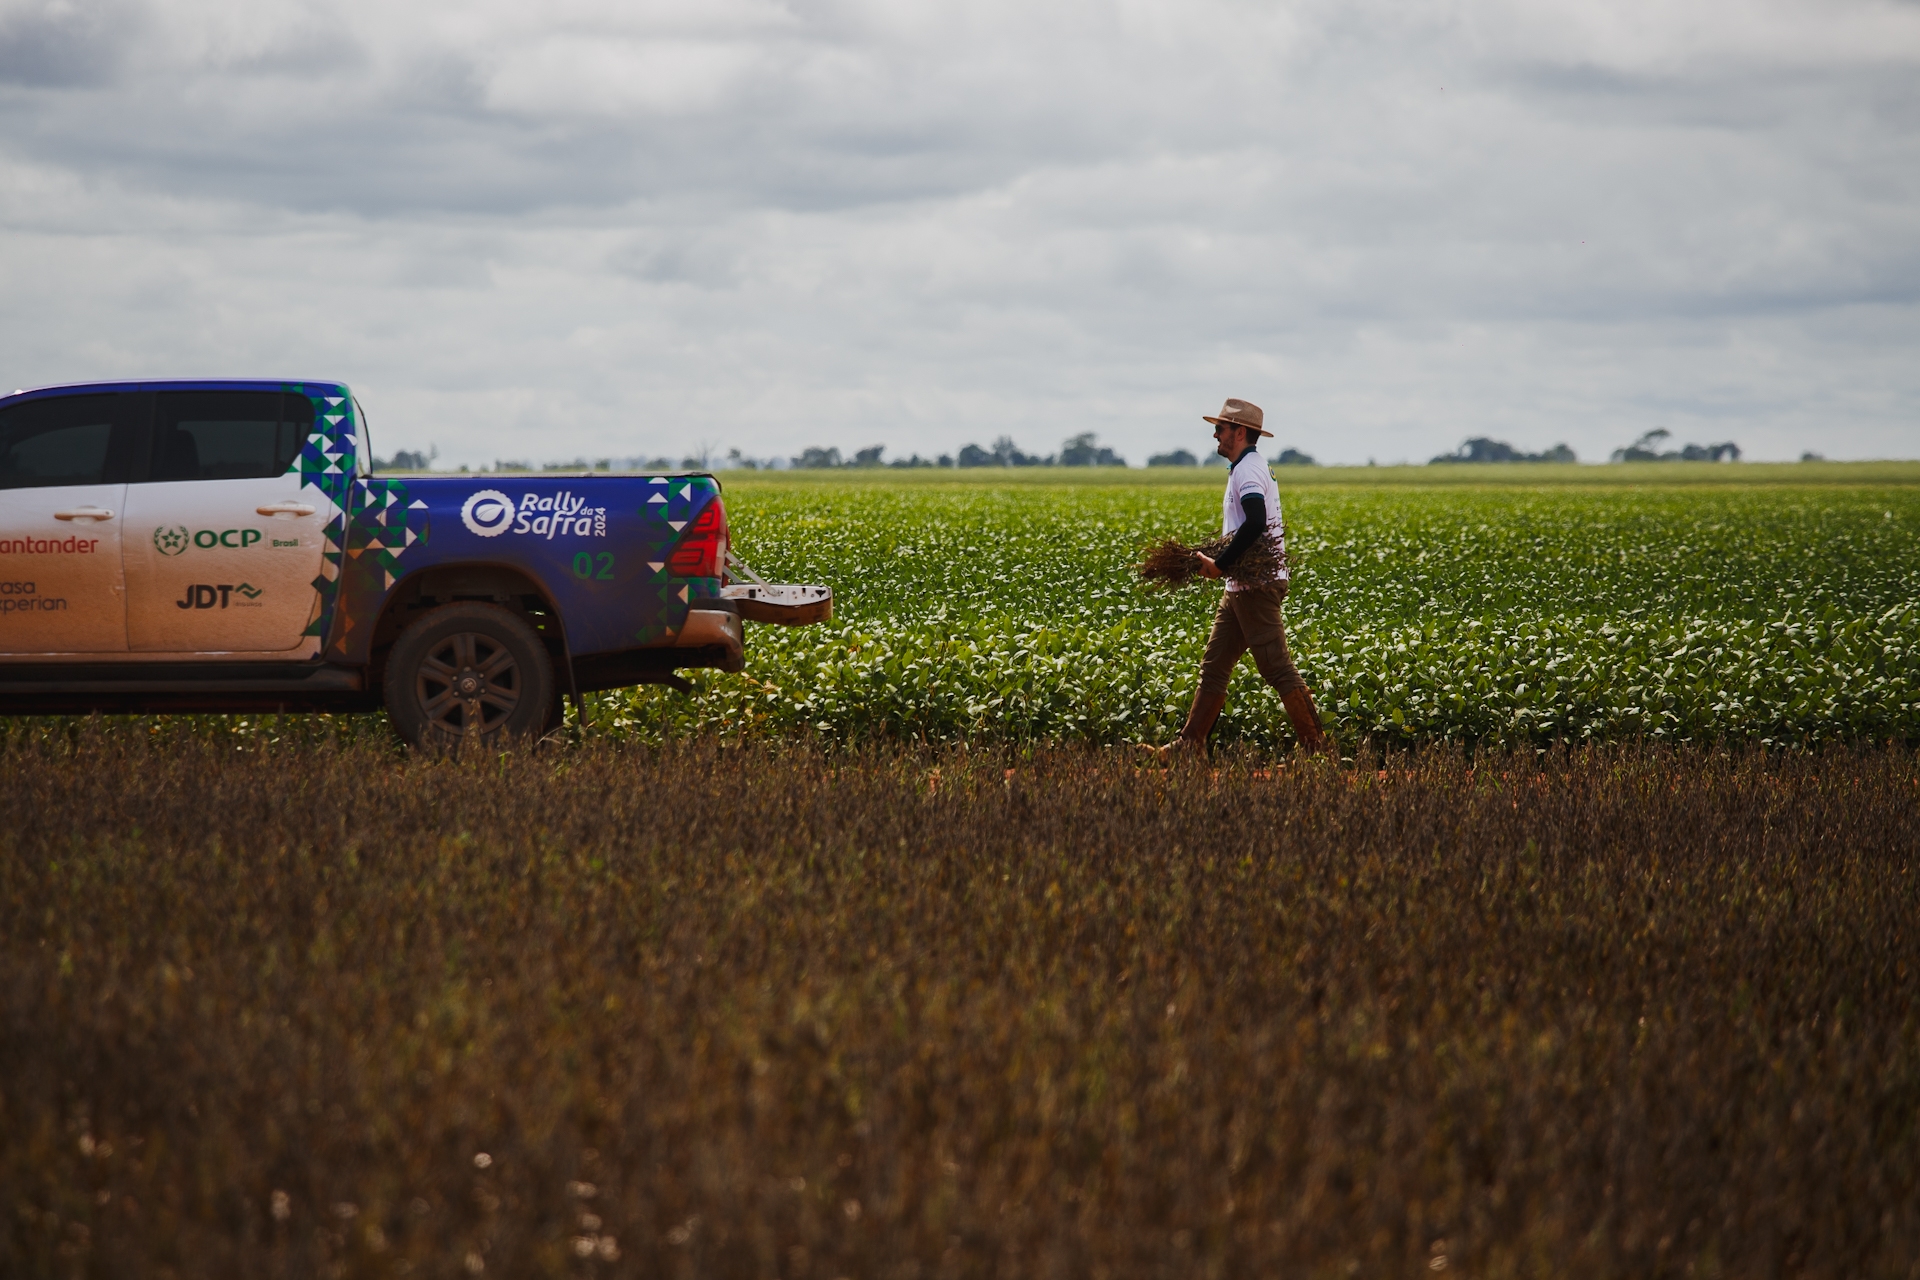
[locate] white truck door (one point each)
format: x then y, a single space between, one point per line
223 545
61 513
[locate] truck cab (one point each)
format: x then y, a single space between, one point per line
224 546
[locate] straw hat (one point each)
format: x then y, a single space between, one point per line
1241 414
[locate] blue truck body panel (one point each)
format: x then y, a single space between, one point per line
597 545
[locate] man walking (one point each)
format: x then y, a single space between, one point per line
1249 615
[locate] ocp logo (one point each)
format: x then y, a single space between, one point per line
170 542
488 513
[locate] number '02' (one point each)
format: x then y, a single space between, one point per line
589 565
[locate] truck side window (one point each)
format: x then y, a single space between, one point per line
59 441
227 435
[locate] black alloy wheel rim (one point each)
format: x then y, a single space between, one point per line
468 685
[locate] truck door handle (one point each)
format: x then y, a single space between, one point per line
287 509
85 515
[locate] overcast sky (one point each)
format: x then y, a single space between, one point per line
626 228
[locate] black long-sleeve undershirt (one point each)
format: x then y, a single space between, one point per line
1255 507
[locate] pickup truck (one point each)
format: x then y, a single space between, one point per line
224 546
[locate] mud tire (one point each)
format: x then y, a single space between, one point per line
470 677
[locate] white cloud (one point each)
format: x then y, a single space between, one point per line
596 75
617 228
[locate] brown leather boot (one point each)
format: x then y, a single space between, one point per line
1306 722
1200 717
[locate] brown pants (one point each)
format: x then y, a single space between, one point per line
1249 620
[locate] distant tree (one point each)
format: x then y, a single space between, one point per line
908 463
408 460
738 461
1178 458
1481 449
1811 456
1295 458
1484 449
1647 449
818 459
1005 453
1084 450
868 457
1008 454
946 460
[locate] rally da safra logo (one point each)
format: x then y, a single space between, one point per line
488 513
170 542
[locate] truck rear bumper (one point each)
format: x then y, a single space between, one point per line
711 637
714 629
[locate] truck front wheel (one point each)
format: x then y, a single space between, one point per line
469 674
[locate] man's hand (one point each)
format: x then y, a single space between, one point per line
1208 569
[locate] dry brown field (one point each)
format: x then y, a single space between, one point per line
781 1011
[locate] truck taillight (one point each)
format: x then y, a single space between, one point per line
702 549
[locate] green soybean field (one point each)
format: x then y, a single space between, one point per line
1480 613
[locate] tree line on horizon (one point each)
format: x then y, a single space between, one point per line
1082 450
1645 449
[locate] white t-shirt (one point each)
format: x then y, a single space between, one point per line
1248 476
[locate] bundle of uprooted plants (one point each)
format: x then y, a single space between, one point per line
1170 563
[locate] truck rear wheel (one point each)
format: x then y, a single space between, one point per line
469 674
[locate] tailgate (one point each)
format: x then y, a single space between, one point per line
789 604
